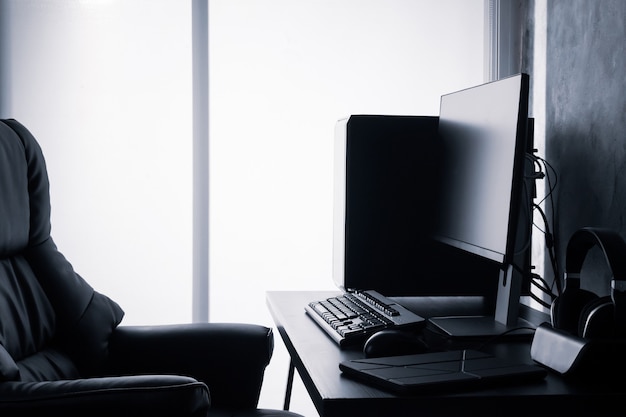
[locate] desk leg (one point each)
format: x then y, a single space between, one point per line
289 385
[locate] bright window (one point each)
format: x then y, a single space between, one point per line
282 72
105 86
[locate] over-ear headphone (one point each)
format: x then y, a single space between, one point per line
582 312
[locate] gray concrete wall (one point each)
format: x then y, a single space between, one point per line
586 114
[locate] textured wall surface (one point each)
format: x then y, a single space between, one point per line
586 114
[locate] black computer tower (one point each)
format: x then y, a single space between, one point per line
386 185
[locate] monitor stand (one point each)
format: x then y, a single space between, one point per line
505 322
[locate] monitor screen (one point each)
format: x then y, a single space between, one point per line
483 135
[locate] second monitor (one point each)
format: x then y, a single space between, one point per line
387 175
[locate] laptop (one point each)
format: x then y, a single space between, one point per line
444 371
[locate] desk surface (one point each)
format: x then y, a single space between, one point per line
316 357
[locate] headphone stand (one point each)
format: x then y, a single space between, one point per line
568 354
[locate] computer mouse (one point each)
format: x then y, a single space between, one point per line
393 342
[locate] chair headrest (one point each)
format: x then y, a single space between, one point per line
24 190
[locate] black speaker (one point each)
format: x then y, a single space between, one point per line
386 193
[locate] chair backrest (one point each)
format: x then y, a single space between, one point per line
53 324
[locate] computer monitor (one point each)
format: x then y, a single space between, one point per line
483 132
386 176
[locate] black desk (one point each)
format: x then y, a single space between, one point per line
316 357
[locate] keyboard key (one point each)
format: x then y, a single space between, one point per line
350 318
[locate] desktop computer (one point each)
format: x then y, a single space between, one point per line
435 206
387 182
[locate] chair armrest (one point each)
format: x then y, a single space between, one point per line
229 358
156 395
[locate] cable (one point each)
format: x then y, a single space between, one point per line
548 172
539 287
496 337
550 248
543 169
543 286
539 283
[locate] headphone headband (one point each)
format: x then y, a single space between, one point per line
612 245
614 250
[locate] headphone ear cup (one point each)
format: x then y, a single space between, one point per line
597 319
566 309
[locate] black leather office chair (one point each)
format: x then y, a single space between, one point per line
62 352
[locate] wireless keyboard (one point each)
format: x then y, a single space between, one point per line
350 318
